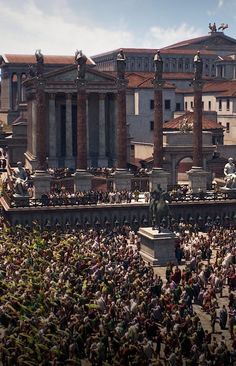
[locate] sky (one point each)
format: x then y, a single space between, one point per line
61 26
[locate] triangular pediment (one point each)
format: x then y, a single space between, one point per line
68 74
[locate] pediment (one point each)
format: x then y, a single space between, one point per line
70 74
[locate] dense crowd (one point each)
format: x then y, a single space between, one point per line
66 297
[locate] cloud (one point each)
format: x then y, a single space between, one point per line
158 37
220 3
55 30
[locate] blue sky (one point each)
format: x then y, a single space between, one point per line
61 26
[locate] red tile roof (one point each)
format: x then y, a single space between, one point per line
48 59
207 124
225 88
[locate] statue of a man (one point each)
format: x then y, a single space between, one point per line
121 64
80 60
198 66
230 174
158 62
40 63
20 179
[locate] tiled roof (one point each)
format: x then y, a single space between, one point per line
187 42
48 59
224 88
207 124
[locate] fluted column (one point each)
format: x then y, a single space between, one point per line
52 126
197 124
121 125
81 125
102 135
69 152
41 128
158 125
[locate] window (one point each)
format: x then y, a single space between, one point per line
152 104
191 104
220 105
202 105
178 107
227 104
227 127
209 105
186 105
167 104
151 125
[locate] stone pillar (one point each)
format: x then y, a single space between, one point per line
41 178
69 153
52 131
197 175
158 175
83 179
102 162
122 178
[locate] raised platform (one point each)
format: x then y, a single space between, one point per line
157 248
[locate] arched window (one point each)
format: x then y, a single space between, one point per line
14 91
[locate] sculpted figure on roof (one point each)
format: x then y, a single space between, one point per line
198 66
121 64
80 60
40 63
212 27
158 64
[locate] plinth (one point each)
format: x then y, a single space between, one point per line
21 201
122 180
198 178
42 183
82 180
159 177
157 248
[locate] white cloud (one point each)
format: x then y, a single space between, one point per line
158 37
220 3
56 32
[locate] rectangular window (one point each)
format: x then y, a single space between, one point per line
203 106
227 104
167 104
209 105
186 105
191 104
227 127
152 104
151 125
220 105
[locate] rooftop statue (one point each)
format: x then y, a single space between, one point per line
223 26
39 63
198 66
230 174
121 64
212 27
80 60
158 64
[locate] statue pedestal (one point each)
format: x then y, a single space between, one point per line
21 201
157 248
159 177
82 180
42 183
122 180
198 179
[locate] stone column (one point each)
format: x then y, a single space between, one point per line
41 178
197 175
102 162
52 130
82 177
69 153
158 175
122 177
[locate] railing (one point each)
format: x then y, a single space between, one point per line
94 199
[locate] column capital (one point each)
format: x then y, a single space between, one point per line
81 84
158 84
102 96
52 95
197 85
68 96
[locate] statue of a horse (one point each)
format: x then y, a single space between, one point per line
159 209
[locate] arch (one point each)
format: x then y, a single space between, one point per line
183 165
14 91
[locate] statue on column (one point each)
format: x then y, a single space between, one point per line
39 63
198 66
158 64
121 64
80 60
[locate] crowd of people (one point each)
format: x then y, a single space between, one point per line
88 295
